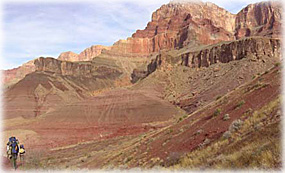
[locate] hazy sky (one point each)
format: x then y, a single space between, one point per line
47 27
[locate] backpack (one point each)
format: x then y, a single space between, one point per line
12 139
15 148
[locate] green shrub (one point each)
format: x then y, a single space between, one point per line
240 104
277 64
217 112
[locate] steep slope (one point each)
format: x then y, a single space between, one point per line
196 76
55 83
12 76
192 78
250 108
176 25
260 19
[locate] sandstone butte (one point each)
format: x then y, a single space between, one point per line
176 25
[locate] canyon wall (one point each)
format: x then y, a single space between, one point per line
251 47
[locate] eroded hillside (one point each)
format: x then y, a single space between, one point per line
188 91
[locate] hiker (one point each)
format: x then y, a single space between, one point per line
13 150
22 152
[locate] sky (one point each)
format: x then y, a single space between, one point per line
31 29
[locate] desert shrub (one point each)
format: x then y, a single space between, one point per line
180 119
172 159
199 132
217 112
217 98
205 142
277 64
170 131
126 160
226 117
236 124
227 135
240 104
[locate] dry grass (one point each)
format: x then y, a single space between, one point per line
247 148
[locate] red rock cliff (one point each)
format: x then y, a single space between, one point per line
178 24
260 19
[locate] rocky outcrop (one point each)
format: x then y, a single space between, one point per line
75 69
252 47
178 24
91 52
12 76
68 56
151 67
86 55
260 19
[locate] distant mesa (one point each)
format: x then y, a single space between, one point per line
86 55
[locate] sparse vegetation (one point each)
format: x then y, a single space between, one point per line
217 98
247 148
217 112
227 135
277 64
235 125
172 159
242 102
267 71
205 142
170 131
258 85
199 132
128 159
226 117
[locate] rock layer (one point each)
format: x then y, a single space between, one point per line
251 47
86 55
75 69
236 50
260 19
12 76
176 25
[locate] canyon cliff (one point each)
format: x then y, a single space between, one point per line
178 25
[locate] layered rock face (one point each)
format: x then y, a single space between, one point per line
260 19
14 75
67 68
251 47
86 55
236 50
68 56
178 24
